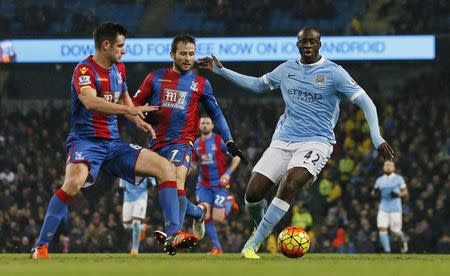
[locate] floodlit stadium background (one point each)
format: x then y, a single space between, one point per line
396 50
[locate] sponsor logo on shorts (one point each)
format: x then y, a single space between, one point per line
79 155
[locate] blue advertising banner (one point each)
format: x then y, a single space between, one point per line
356 48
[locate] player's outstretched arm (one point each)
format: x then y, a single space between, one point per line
88 97
370 112
212 108
252 84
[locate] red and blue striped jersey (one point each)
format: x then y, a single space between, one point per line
211 154
178 97
109 84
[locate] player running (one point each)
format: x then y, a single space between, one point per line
134 210
312 87
178 91
98 93
391 188
211 153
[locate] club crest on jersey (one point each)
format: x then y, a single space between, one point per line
119 78
174 98
84 80
213 147
320 80
83 70
194 86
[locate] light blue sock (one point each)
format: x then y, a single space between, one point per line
277 209
256 210
136 236
384 240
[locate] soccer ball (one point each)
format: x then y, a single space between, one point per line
293 242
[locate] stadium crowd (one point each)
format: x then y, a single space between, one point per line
261 17
337 209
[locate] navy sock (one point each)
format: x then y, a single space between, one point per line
57 208
182 201
211 231
167 192
193 210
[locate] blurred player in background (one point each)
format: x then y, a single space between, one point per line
98 93
178 91
134 210
312 87
211 153
390 187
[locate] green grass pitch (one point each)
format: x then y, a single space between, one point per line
227 264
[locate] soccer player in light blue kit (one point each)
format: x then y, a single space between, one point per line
134 210
391 188
312 87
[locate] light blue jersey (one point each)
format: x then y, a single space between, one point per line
312 93
133 192
387 184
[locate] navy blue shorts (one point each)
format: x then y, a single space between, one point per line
216 196
113 156
177 154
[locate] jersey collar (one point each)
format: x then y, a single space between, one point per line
315 64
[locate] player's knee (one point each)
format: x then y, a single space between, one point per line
253 196
136 221
168 172
72 186
219 217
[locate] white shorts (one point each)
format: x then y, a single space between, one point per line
392 220
134 209
281 156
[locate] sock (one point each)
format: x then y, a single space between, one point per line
402 237
136 234
182 201
211 231
228 207
277 209
167 193
384 240
193 210
128 226
256 210
57 208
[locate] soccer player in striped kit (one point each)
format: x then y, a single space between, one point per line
211 153
178 92
98 94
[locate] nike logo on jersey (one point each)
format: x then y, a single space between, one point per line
291 75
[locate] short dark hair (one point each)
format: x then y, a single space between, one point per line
185 38
310 29
107 31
